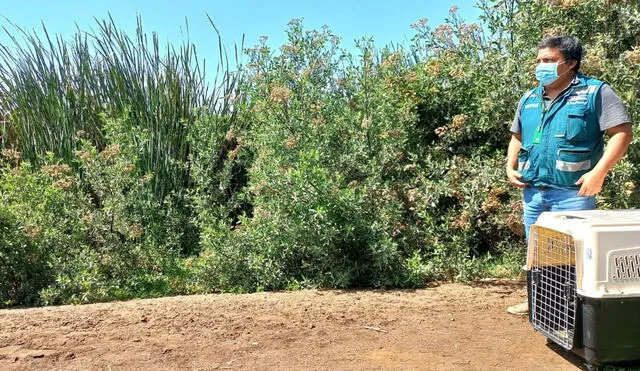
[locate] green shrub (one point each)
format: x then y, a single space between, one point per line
95 234
40 217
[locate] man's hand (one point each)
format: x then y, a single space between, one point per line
620 137
512 161
591 183
514 178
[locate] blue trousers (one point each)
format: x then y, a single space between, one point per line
535 201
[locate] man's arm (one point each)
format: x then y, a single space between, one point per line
512 160
620 138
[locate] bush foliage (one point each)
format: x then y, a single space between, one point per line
307 166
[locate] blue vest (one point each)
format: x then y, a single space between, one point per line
569 142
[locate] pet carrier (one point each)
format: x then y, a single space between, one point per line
583 278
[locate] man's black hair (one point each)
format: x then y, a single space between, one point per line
569 46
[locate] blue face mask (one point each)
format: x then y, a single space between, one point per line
547 73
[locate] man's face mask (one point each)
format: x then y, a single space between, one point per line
547 73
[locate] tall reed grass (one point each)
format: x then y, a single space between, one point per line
59 90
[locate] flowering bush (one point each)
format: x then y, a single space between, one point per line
40 224
89 234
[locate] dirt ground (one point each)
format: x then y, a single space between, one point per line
449 326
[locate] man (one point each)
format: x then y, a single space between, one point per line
556 153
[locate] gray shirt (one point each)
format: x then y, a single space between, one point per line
609 109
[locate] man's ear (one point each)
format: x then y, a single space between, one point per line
572 64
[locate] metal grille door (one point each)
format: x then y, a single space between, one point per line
553 285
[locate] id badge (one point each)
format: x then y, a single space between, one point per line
537 136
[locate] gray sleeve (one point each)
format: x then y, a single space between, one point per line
515 124
610 109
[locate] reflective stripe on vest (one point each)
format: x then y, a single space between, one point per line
573 166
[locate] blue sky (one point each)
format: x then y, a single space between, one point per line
385 21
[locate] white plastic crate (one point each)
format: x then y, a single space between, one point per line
583 270
607 249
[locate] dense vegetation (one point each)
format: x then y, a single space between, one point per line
123 173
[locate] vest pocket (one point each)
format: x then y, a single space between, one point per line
525 164
571 164
576 128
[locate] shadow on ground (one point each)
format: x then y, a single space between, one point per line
582 364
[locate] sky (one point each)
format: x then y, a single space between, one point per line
385 21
